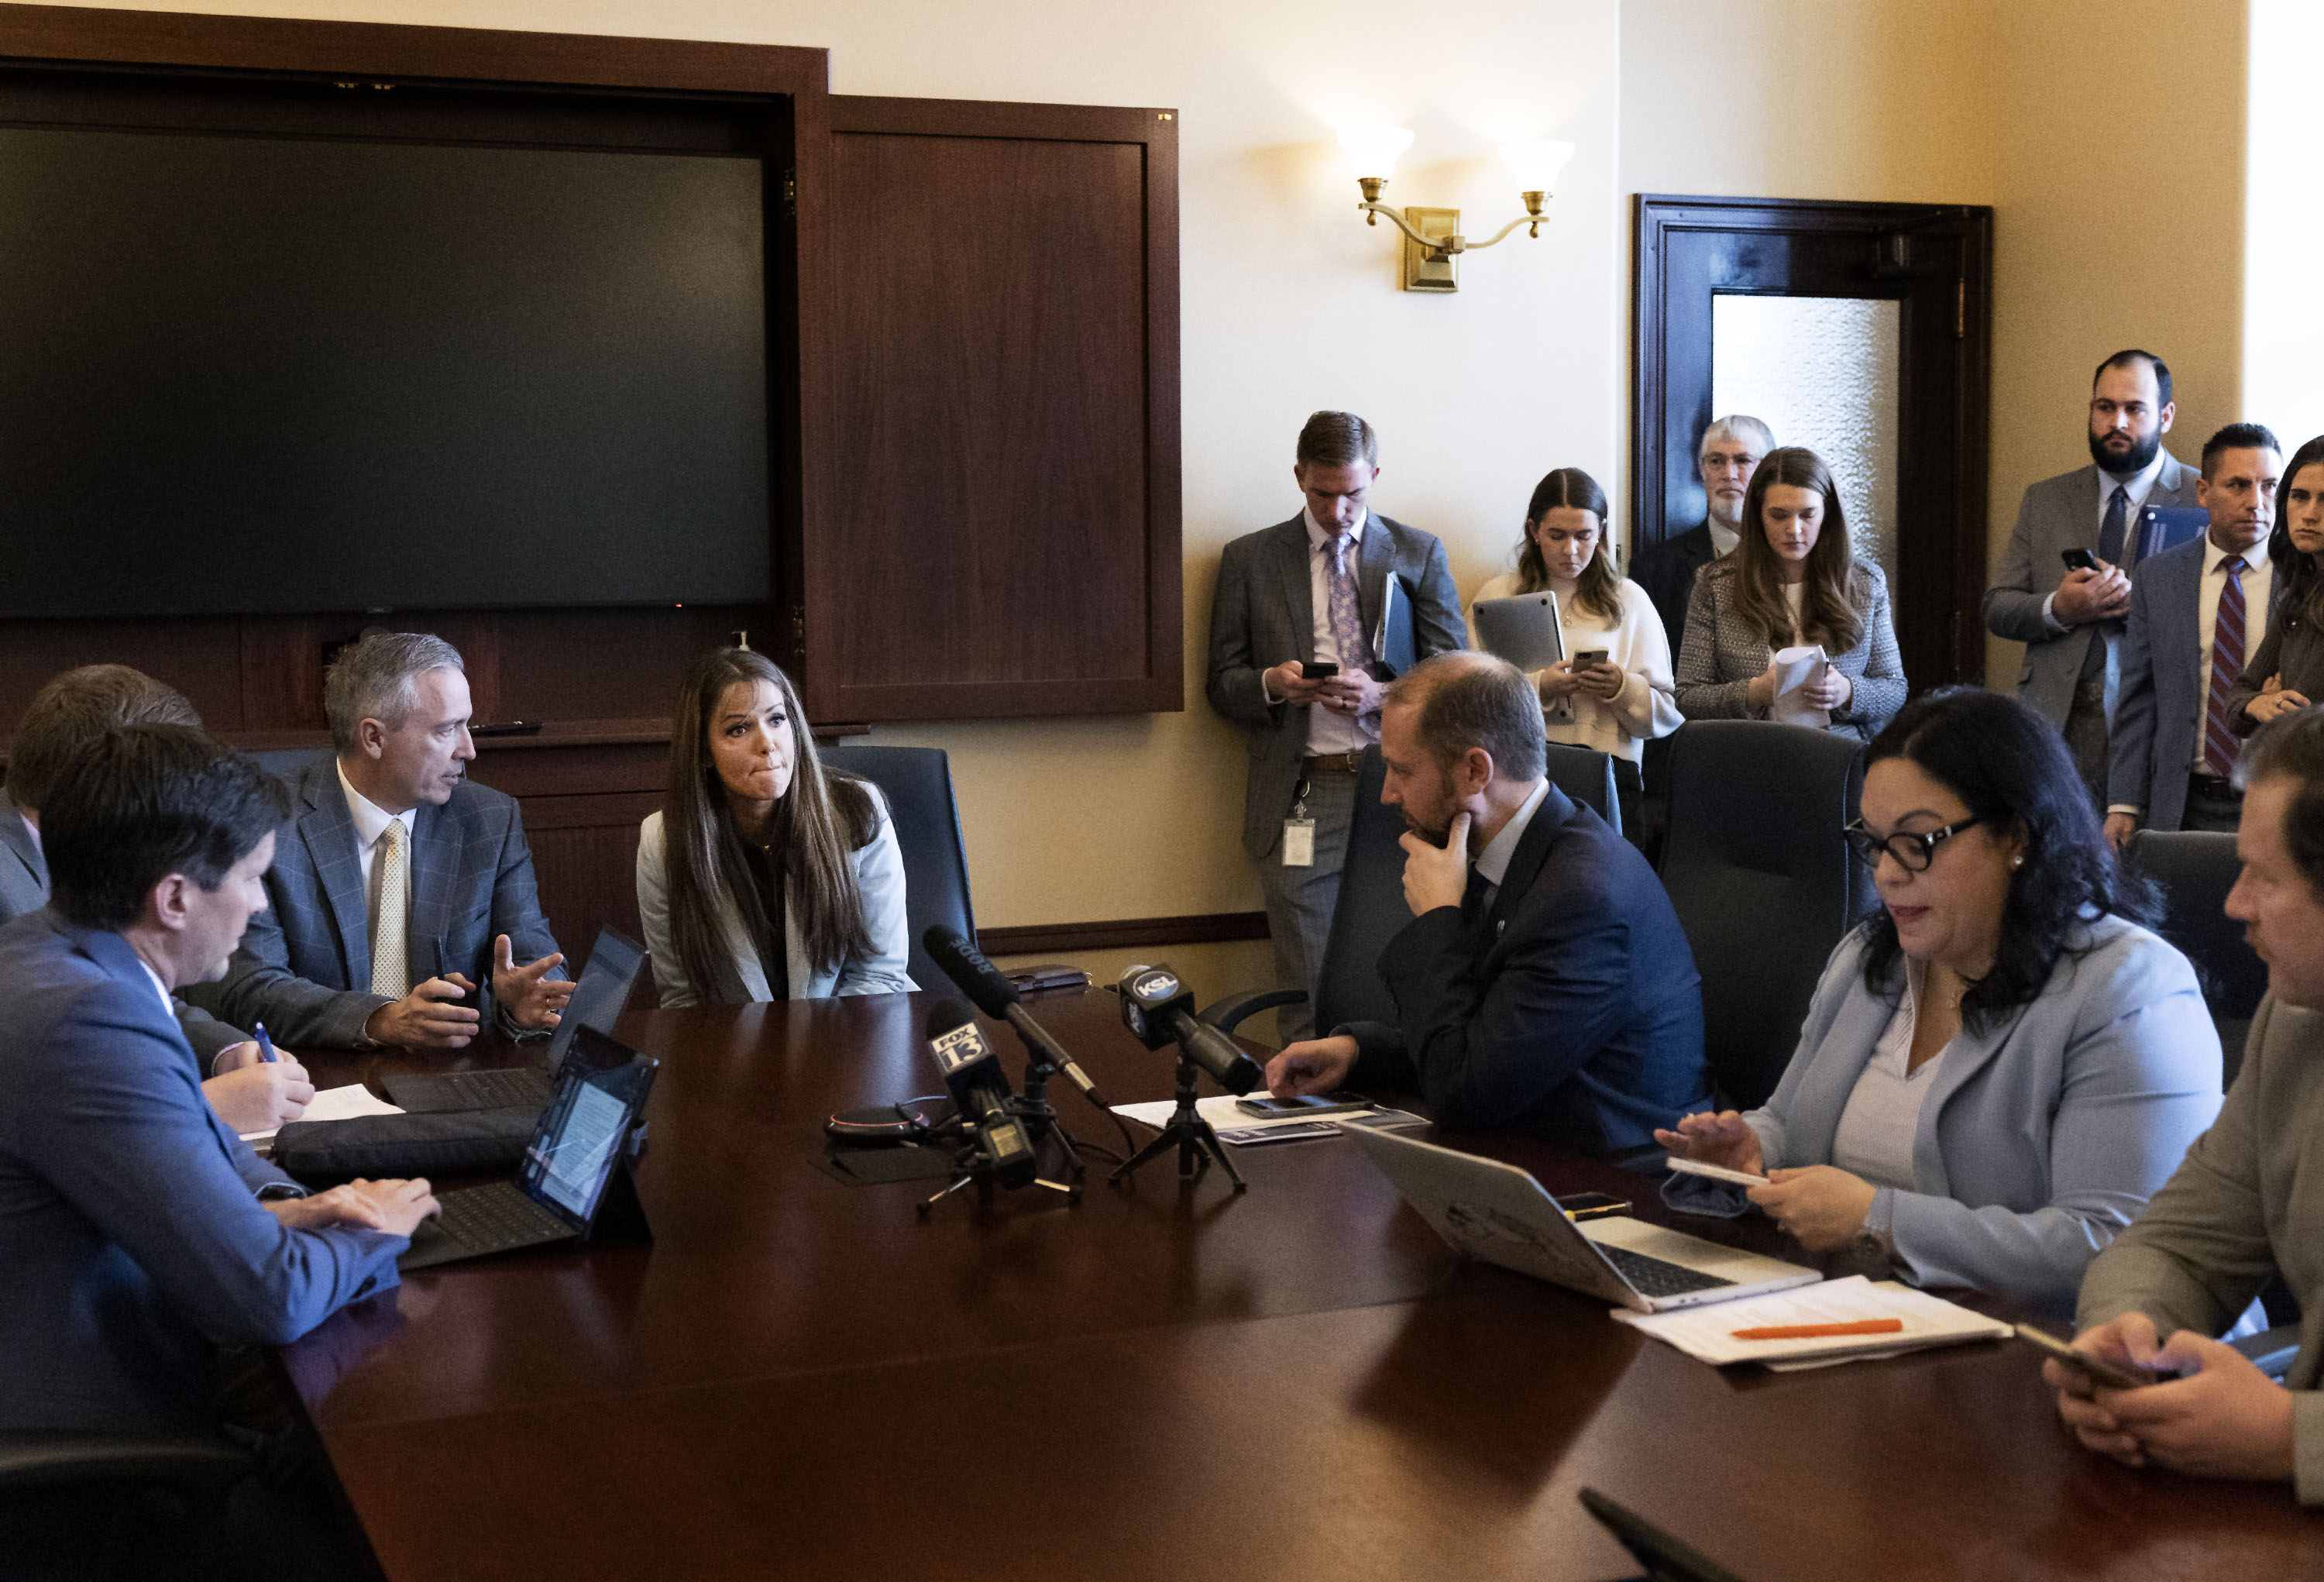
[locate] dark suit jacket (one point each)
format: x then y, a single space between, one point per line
1263 614
1667 572
1572 1010
2158 717
2057 514
25 887
130 1230
304 967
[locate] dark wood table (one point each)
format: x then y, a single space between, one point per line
801 1377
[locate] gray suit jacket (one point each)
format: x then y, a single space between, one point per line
1263 614
2055 516
1724 653
2248 1201
25 887
2042 1137
304 966
130 1229
2158 717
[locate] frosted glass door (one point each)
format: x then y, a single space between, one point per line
1825 373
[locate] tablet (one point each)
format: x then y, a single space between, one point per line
1522 630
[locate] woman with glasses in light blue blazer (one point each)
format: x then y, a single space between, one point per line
2003 1065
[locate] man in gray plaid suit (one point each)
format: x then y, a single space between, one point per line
402 898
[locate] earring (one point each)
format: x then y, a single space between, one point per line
2017 862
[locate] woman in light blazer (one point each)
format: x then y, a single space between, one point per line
2002 1067
765 877
1793 581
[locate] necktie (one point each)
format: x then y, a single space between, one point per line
389 973
1475 897
1346 611
2115 528
2219 744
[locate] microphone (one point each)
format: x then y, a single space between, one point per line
1158 1008
979 1091
990 988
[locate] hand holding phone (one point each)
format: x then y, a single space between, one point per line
2097 1370
1322 670
2079 560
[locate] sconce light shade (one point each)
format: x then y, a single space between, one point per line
1374 149
1538 164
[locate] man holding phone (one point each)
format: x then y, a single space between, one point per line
1291 663
1544 983
2245 1203
2070 614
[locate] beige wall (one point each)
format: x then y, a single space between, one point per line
2283 226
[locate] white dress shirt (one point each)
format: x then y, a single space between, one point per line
2259 581
2136 488
1724 538
1328 732
1493 862
371 822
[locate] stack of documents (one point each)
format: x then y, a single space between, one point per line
1907 1320
1242 1128
335 1103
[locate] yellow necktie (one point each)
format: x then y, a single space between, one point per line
389 973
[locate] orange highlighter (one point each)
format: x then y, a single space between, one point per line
1821 1331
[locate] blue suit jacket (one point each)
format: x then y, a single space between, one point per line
130 1234
2042 1137
1572 1010
304 967
2158 717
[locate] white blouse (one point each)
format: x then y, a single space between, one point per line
1875 1136
1646 707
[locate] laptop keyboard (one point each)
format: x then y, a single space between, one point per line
498 1090
486 1218
1654 1276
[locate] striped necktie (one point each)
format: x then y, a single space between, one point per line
2219 744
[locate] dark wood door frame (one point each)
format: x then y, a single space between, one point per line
1937 259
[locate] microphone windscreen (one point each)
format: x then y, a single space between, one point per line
943 1017
970 972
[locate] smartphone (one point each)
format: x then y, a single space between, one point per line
2079 560
1322 670
1588 657
2097 1369
1580 1206
1716 1173
1313 1104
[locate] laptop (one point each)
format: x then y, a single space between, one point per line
1501 1214
1521 629
597 1003
578 1154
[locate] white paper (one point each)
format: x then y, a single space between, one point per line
1794 669
1709 1332
336 1104
1219 1110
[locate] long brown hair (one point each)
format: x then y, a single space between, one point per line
1834 600
819 822
2303 580
1598 589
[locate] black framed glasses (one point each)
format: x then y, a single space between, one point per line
1914 852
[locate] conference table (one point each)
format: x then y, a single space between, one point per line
800 1377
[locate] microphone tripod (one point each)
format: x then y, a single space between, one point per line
971 1167
1196 1142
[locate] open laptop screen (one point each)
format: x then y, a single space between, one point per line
598 998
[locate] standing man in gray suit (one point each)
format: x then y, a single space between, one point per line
2072 621
2197 611
400 887
1307 592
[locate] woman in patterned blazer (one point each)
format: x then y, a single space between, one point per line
1793 581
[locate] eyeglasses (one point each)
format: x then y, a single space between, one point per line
1913 853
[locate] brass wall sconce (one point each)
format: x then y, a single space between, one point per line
1433 242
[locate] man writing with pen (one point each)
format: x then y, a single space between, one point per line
403 907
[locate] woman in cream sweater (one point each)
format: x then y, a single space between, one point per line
1614 705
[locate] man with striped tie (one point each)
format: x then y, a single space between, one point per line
2195 612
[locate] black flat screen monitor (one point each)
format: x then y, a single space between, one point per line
253 374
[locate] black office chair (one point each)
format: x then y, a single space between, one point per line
287 763
2196 870
1369 914
918 784
1587 778
86 1505
1762 882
